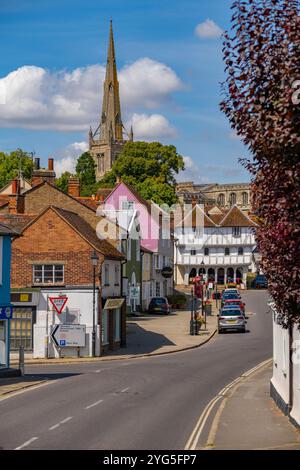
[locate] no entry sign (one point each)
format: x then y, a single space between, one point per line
58 302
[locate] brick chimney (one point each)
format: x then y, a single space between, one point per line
16 199
40 174
74 186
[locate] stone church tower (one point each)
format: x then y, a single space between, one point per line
106 143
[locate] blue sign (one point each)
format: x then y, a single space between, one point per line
6 313
62 342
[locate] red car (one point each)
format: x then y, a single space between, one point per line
234 302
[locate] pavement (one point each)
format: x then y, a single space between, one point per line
249 407
146 336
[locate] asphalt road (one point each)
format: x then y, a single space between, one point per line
148 403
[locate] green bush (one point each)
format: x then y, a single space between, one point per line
250 279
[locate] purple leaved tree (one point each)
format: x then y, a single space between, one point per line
262 103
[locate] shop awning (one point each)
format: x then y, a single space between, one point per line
111 304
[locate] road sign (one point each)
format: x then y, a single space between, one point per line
134 293
68 335
58 302
6 313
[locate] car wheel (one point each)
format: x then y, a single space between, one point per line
220 331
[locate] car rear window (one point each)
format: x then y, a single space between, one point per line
232 295
230 313
159 301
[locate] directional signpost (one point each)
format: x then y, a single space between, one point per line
134 293
68 336
58 302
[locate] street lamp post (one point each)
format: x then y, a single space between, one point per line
94 259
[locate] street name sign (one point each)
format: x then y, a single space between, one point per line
71 336
58 302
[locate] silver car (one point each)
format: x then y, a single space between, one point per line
231 319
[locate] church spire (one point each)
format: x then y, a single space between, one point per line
111 109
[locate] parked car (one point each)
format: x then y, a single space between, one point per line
260 282
231 319
235 303
229 295
232 291
159 305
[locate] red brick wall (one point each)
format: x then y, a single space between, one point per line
48 240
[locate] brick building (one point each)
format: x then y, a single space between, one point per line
59 234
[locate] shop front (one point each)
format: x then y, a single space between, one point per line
113 323
25 302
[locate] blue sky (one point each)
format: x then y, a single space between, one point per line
52 57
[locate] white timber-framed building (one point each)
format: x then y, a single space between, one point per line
213 243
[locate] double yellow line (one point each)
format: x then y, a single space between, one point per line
220 397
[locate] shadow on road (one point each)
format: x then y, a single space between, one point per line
140 341
34 378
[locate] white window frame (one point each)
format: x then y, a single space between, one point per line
128 205
42 267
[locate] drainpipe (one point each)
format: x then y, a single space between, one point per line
141 280
291 368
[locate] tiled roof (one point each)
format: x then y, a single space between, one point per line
4 199
89 202
190 217
235 217
104 192
216 218
88 233
16 222
6 230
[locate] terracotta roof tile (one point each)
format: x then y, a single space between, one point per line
191 217
4 199
235 217
84 229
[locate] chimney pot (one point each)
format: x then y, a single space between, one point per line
37 163
74 186
50 164
15 186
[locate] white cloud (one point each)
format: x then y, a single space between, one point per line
153 126
191 172
147 83
36 98
69 157
208 29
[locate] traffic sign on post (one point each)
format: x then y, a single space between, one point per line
58 302
68 335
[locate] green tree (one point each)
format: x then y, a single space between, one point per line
148 167
62 181
11 163
85 170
